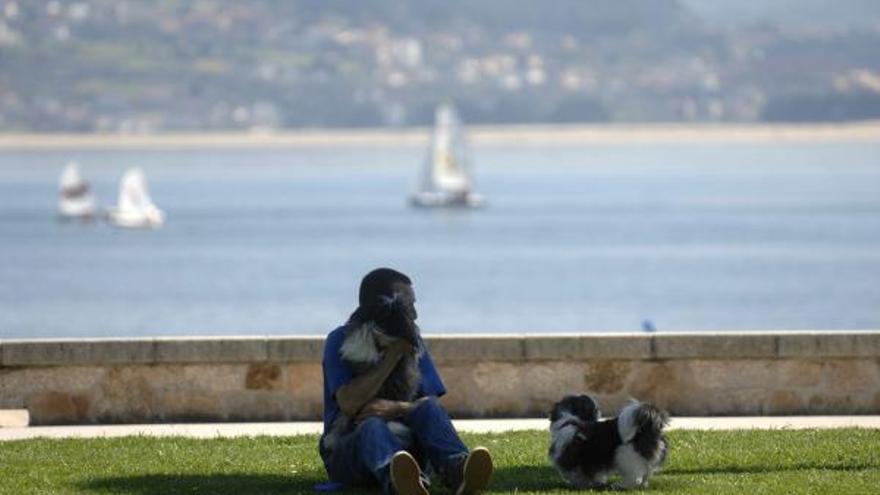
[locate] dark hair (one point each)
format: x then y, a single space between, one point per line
380 283
378 302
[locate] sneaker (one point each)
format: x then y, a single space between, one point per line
406 477
477 472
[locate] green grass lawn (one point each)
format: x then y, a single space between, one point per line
752 462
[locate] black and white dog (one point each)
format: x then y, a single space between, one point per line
369 333
585 449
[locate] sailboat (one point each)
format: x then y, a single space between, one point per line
135 208
75 198
446 178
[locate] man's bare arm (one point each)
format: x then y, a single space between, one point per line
353 395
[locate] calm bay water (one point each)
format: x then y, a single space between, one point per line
584 238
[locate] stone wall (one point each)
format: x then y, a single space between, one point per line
279 378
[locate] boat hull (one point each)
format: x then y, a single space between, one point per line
445 200
77 208
130 220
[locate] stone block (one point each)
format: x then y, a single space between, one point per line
498 379
605 346
662 383
124 395
474 349
715 345
263 376
460 389
211 350
220 377
56 407
295 349
818 404
537 408
785 402
852 374
735 402
210 377
304 382
256 406
190 405
67 352
606 377
18 383
836 402
550 381
302 410
721 374
484 389
829 344
799 373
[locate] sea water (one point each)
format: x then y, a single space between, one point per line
571 239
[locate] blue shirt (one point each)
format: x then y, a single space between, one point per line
337 374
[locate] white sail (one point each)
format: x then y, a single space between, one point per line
446 177
448 171
135 208
75 199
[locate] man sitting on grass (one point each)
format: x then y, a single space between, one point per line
368 450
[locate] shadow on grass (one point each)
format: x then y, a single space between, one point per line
505 480
540 479
526 478
767 469
163 484
546 478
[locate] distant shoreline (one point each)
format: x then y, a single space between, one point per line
518 135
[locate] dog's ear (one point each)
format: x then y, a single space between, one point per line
399 324
589 408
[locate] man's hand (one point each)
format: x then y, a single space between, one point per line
386 409
354 396
399 347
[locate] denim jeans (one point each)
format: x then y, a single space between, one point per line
363 456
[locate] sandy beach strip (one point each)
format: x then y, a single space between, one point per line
520 135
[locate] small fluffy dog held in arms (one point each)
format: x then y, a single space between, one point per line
389 321
586 449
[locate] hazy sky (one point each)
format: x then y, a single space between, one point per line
837 13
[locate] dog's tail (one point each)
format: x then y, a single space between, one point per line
640 417
642 425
